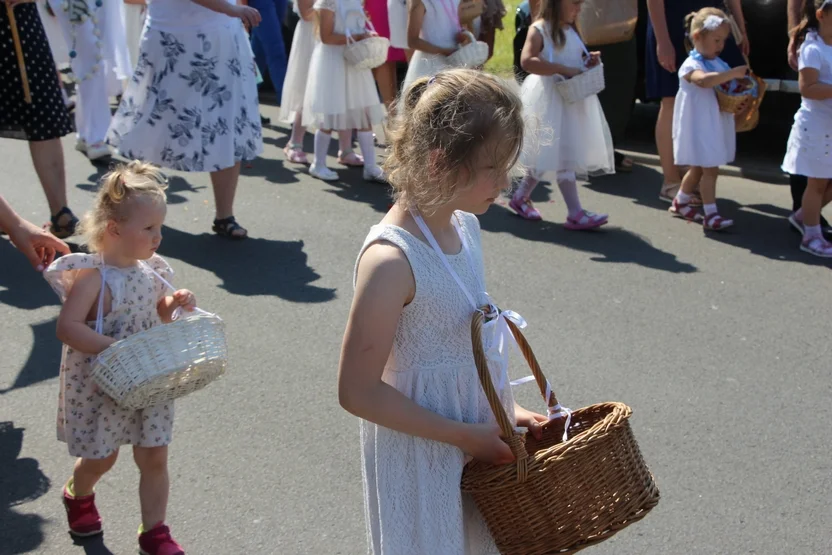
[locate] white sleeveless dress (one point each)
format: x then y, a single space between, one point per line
297 70
559 136
412 496
340 95
439 29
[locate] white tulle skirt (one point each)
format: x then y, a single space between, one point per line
564 137
339 95
297 71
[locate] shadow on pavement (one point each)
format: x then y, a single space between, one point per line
21 481
92 546
763 229
24 288
255 266
44 361
611 244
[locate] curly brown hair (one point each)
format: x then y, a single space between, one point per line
444 127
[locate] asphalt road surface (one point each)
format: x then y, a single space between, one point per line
720 343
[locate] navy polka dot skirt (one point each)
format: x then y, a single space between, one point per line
46 117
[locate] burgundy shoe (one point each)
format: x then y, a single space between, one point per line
158 541
83 517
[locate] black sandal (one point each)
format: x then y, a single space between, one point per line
63 231
226 228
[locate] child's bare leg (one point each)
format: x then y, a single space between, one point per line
707 185
690 182
813 200
87 472
154 483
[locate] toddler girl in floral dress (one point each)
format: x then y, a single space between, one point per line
107 296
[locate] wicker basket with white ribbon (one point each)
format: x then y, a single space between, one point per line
164 362
582 86
472 54
367 53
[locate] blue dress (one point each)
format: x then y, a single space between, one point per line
660 82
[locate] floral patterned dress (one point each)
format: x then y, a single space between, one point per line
191 104
90 422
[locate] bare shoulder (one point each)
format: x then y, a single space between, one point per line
384 270
87 280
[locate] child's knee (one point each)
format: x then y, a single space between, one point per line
151 459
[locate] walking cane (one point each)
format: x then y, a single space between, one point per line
18 48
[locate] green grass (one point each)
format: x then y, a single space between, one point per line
502 63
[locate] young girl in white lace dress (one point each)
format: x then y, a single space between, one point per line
294 90
433 33
808 149
407 368
704 137
192 104
571 139
109 295
340 95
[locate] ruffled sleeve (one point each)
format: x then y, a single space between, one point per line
161 267
63 272
331 5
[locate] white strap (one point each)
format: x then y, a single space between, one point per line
167 284
429 236
99 319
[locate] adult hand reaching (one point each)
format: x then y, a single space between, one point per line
666 55
36 244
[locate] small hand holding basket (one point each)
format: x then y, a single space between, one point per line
584 481
368 53
164 362
472 54
587 83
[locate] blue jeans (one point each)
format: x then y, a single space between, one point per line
267 40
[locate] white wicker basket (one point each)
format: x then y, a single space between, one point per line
581 86
473 54
164 362
368 53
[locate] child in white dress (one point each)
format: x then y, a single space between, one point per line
808 151
340 95
109 295
294 90
704 137
192 103
571 139
407 368
433 33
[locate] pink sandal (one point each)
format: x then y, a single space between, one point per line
715 222
295 154
817 246
350 159
685 210
525 209
585 220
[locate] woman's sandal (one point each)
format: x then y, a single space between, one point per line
623 164
715 222
685 210
65 230
227 228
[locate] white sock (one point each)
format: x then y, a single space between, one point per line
813 231
710 209
368 148
322 141
569 190
683 198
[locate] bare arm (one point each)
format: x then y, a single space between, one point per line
384 285
735 7
811 87
306 9
415 18
657 17
715 78
36 244
72 322
326 25
531 61
794 16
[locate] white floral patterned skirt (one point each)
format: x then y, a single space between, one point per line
191 104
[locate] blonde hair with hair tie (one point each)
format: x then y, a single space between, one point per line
119 189
444 125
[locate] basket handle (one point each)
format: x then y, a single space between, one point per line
178 311
513 439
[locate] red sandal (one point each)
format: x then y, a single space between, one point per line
685 210
715 222
83 517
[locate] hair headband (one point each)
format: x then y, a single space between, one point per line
714 22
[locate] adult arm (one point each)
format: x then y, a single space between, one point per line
36 244
249 16
794 16
735 7
665 51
